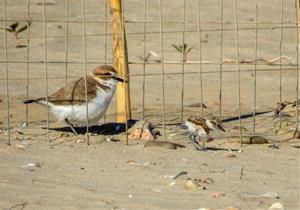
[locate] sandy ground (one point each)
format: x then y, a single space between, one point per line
112 175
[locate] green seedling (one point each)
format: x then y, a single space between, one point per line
147 57
13 28
184 50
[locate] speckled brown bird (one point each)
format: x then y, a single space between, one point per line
200 127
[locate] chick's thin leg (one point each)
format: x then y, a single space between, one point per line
192 137
71 126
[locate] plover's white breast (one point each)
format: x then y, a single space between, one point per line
76 114
196 129
191 126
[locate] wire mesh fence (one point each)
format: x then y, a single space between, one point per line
185 58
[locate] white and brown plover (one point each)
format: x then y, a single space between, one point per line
200 127
68 104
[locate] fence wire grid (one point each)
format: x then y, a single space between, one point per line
237 58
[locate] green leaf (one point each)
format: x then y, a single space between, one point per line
177 47
14 26
10 30
23 28
141 58
184 47
189 50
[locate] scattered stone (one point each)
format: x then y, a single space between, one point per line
217 194
270 195
132 162
144 130
65 135
172 183
250 140
273 146
192 184
22 145
24 125
157 190
80 141
258 140
32 166
162 144
276 206
230 154
112 140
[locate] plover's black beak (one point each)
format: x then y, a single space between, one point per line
119 79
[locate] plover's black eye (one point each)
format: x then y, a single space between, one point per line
107 74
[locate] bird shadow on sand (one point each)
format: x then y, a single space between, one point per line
103 129
219 149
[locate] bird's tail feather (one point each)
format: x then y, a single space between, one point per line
33 101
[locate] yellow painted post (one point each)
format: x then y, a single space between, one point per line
298 17
297 85
120 59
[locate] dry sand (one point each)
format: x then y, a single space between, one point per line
111 175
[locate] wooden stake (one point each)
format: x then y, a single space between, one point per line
298 16
120 60
297 86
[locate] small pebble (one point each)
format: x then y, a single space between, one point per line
24 125
172 183
276 206
218 194
273 146
270 195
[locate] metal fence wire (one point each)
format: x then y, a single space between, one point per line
226 58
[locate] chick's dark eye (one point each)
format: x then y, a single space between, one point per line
107 74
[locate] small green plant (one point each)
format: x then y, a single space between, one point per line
184 50
147 57
13 29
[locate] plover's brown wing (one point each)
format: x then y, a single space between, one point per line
74 92
200 123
